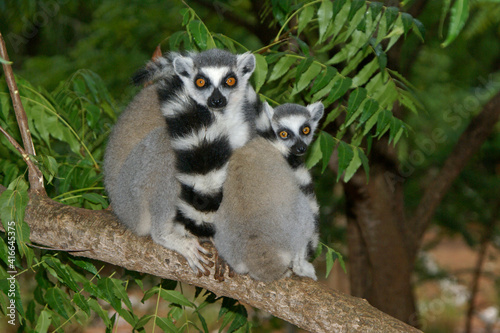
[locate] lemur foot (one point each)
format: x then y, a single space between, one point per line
304 268
220 268
196 256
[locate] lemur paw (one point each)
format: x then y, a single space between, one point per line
196 256
305 268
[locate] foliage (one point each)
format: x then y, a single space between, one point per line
330 51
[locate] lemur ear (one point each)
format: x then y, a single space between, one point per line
316 109
245 63
268 110
183 66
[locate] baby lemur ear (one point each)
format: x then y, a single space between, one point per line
268 110
183 66
246 64
316 109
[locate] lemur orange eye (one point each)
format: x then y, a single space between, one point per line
306 130
200 82
230 81
283 134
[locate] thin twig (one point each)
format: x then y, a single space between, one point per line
35 176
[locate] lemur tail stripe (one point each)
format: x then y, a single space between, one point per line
201 202
206 157
201 230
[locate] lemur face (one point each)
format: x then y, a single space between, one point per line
294 125
215 78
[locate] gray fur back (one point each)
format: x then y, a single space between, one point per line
264 218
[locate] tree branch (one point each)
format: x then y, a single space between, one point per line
468 144
35 176
303 302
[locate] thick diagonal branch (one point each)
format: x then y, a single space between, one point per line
35 176
479 129
303 302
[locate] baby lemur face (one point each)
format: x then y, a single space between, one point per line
294 125
215 77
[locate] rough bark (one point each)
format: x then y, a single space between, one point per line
303 302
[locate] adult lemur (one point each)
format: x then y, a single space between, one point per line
267 222
166 181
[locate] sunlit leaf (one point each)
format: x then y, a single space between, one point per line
459 15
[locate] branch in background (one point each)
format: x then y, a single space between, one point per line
303 302
35 176
485 241
479 129
33 169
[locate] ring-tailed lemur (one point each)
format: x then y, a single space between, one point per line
267 221
166 181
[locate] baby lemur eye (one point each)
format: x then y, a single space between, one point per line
283 134
306 130
200 82
231 81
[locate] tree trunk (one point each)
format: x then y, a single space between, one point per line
379 261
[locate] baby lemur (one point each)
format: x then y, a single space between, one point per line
167 156
267 221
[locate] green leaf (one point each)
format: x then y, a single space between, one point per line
199 33
94 305
307 78
240 318
143 321
227 305
302 67
281 67
355 99
43 322
369 108
366 73
305 17
366 166
408 100
407 22
186 15
383 122
260 72
96 198
323 81
175 297
332 115
391 13
376 8
327 143
459 15
345 155
338 90
61 272
58 301
353 165
314 154
86 265
80 301
325 13
120 292
166 325
107 288
419 29
3 61
355 7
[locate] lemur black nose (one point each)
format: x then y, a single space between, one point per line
299 148
216 100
